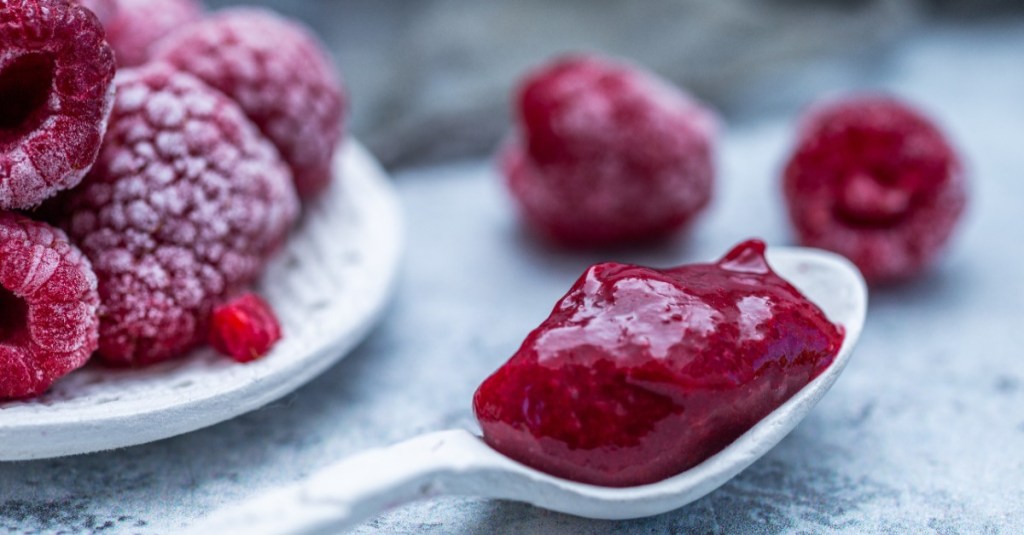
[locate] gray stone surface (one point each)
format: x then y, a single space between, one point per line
923 433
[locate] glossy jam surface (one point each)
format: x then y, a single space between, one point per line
640 374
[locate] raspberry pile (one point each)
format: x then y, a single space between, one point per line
278 73
874 180
182 208
169 198
56 86
606 154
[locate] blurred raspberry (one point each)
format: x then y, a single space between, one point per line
56 87
607 154
48 302
876 181
280 75
186 202
244 328
134 26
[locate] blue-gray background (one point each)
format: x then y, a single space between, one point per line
924 432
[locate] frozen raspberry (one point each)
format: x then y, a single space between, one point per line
48 302
56 87
134 26
876 181
183 206
607 154
280 75
639 373
244 328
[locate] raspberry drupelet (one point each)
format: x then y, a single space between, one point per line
56 89
874 180
48 307
281 77
244 328
134 26
606 154
184 205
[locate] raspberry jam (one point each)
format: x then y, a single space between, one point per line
640 373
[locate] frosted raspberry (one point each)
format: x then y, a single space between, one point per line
183 206
244 328
134 26
607 154
874 180
48 302
56 87
280 75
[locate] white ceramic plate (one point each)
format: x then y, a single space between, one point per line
328 288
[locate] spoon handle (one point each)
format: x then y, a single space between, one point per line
346 493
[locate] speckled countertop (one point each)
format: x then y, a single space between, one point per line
923 433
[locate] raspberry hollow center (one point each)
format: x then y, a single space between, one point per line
869 202
13 316
25 87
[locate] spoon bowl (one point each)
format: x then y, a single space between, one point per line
457 462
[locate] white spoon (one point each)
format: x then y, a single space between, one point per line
457 462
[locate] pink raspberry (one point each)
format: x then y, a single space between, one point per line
56 87
48 302
184 205
134 26
280 75
607 154
874 180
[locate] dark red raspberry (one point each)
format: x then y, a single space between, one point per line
280 75
183 207
244 328
134 26
639 374
874 180
56 87
48 302
607 154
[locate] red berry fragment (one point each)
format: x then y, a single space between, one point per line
48 302
134 26
56 87
280 75
607 154
184 205
639 374
244 328
874 180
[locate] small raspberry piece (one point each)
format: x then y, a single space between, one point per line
56 88
876 181
48 302
184 205
280 75
244 328
607 154
134 26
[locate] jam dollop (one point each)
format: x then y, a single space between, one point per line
639 374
